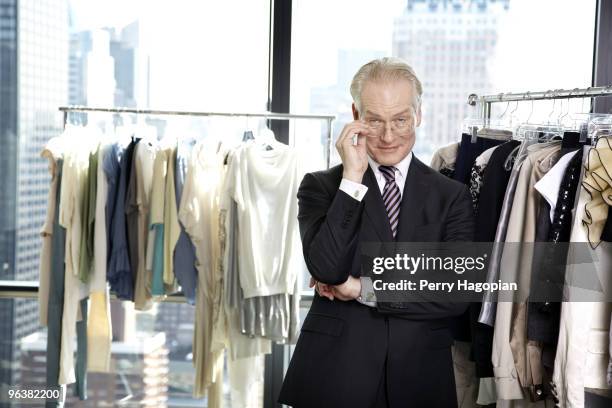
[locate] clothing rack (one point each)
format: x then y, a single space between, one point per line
264 115
488 100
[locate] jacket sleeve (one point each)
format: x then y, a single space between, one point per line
329 225
459 227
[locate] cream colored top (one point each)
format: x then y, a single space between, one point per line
76 160
264 185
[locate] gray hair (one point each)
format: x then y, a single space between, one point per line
388 68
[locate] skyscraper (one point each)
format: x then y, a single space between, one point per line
33 83
92 69
132 66
448 43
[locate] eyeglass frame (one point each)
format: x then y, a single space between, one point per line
396 128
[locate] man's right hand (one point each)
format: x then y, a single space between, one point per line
354 157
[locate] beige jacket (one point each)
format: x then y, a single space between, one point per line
528 354
515 259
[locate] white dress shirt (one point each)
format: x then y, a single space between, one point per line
358 191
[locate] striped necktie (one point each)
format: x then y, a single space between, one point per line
391 196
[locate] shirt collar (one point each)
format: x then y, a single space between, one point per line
402 166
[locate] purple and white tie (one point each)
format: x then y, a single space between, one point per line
392 196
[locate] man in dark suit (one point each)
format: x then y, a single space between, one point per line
353 351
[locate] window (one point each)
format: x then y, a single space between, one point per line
186 54
508 59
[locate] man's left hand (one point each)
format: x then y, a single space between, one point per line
348 290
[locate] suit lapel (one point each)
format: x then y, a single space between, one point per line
413 199
375 207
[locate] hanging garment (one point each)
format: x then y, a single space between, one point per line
490 201
160 168
245 362
516 258
164 221
184 251
486 391
76 160
82 350
144 156
468 151
241 345
88 216
466 378
491 198
466 158
131 213
598 183
56 295
558 188
199 214
275 316
118 271
249 320
550 184
606 234
528 354
582 358
443 159
264 185
610 355
476 175
99 329
172 228
246 378
51 152
489 305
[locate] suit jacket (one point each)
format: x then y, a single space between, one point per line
344 346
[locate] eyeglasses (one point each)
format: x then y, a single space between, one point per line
398 125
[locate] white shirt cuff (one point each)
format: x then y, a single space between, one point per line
355 190
367 296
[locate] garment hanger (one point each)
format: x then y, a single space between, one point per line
561 114
504 112
599 126
497 128
531 112
509 163
124 131
584 126
554 100
470 125
266 136
548 130
529 133
513 112
248 132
